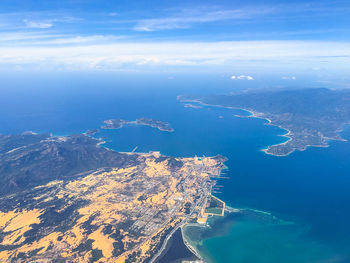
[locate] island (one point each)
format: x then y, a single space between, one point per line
68 199
119 123
91 132
311 117
193 106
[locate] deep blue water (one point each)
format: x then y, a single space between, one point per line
309 188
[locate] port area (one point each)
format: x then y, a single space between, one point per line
213 207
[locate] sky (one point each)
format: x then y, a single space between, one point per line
176 36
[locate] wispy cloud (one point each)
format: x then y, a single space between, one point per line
23 37
33 20
242 77
37 24
143 55
48 38
188 17
51 39
94 39
289 78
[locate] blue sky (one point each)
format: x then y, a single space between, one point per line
175 35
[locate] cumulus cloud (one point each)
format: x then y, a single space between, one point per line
289 78
242 77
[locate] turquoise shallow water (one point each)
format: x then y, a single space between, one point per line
250 236
310 189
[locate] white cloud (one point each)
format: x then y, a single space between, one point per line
81 54
289 78
20 21
79 40
41 38
242 77
186 18
37 24
113 14
23 37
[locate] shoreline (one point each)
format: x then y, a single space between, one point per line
137 122
189 246
99 143
231 210
158 255
259 115
253 114
164 245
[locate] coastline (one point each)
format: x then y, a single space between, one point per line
189 246
260 115
99 143
186 243
253 114
246 211
228 209
138 122
164 245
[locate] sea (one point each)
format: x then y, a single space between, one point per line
285 209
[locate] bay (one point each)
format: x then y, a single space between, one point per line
309 189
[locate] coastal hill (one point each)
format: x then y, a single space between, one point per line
67 199
119 123
29 160
311 116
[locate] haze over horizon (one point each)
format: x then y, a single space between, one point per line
285 37
175 131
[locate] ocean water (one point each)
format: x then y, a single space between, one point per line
306 193
253 236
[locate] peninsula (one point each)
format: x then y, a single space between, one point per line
119 123
190 105
68 199
311 117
